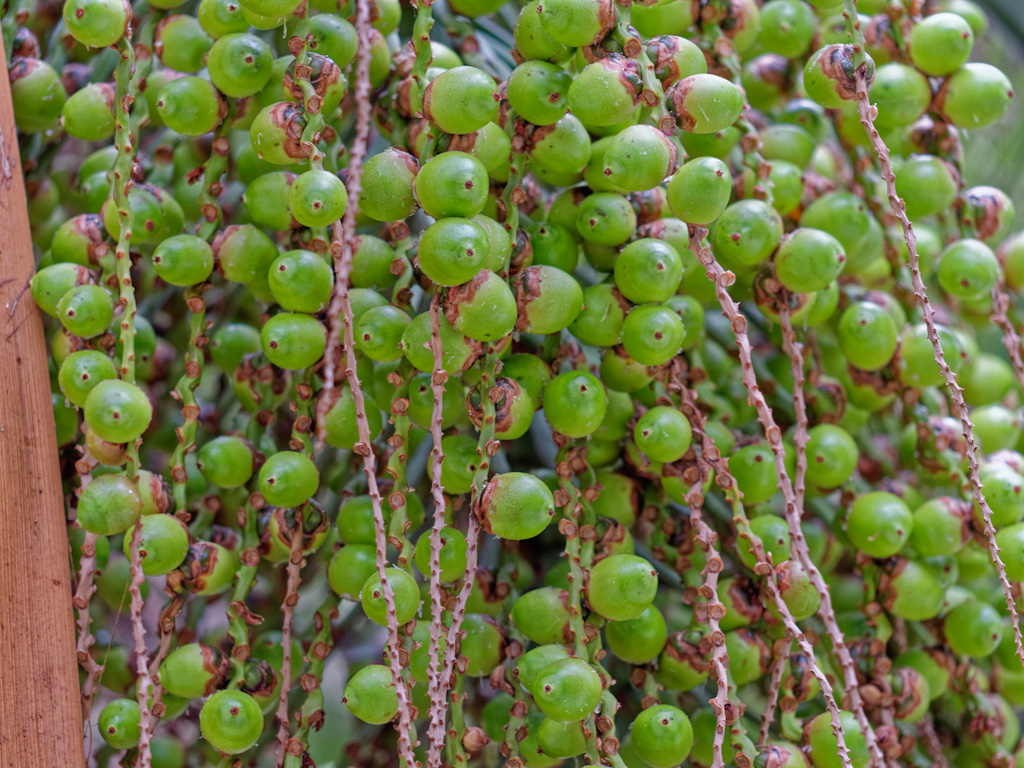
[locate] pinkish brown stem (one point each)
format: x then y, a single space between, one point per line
899 209
344 231
775 683
83 593
1000 316
795 350
291 597
722 280
437 687
341 325
145 684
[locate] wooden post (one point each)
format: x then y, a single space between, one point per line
40 709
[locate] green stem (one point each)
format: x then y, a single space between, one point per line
184 393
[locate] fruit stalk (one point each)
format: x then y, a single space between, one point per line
1010 338
782 648
959 409
184 392
291 597
437 688
722 280
795 350
487 446
311 714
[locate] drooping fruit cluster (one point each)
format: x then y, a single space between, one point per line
630 385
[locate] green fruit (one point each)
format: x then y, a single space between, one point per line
231 721
622 587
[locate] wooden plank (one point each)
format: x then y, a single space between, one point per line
40 710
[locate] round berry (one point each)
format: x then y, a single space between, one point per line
301 281
183 260
567 690
317 198
117 411
879 524
231 721
452 250
370 695
662 736
163 544
407 597
81 371
293 341
120 724
575 403
663 433
97 23
975 95
461 100
516 506
973 629
289 479
452 184
226 461
621 587
86 310
109 505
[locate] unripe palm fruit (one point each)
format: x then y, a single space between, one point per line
289 479
452 250
109 505
538 91
317 198
88 114
181 43
746 233
209 568
675 58
621 587
639 158
809 260
85 310
573 23
37 94
120 724
829 75
387 185
406 594
483 308
183 260
459 352
516 505
699 192
452 184
190 671
548 299
607 91
370 695
293 341
117 411
163 544
97 23
662 736
276 133
240 65
704 103
648 270
975 95
231 721
941 43
823 747
461 100
190 105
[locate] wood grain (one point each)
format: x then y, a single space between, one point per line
40 712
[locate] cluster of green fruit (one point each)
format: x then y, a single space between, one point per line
627 545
